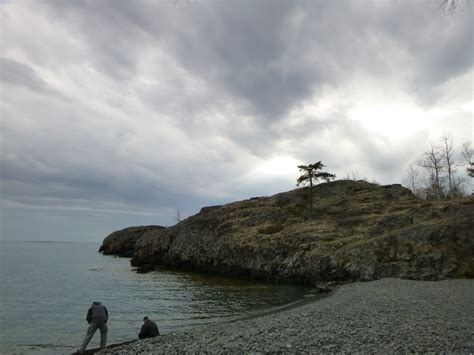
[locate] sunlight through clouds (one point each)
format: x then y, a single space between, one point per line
392 120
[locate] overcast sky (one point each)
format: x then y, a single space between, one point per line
117 113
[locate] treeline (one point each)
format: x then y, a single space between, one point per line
437 173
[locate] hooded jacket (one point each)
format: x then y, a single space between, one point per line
149 330
97 313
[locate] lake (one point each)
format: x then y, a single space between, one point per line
47 288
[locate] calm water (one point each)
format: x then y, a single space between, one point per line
46 289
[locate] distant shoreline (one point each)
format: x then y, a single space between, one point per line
48 241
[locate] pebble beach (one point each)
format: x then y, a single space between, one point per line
383 316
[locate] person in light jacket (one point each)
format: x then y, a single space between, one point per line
149 329
97 317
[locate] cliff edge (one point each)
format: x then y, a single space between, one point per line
122 242
356 231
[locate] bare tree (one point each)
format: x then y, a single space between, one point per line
447 151
467 153
178 217
432 161
440 163
413 179
458 187
354 175
450 7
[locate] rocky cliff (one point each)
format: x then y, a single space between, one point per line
357 231
122 242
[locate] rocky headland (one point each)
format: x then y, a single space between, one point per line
357 231
122 242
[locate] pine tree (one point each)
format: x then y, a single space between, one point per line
312 174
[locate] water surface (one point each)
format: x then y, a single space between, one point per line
47 287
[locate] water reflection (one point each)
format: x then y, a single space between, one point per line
199 297
182 299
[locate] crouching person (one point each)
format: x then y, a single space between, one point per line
149 329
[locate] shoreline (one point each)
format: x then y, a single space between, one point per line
386 315
287 307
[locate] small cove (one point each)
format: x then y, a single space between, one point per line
49 287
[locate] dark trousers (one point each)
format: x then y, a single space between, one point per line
102 326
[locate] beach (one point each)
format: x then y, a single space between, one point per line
387 315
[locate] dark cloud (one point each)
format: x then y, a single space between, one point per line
272 54
145 107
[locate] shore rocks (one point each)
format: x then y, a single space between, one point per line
356 231
385 316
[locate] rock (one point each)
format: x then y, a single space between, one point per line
122 242
325 287
357 231
143 269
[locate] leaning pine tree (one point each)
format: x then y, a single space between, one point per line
312 174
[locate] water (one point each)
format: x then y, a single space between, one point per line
47 288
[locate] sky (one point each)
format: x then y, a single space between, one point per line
120 113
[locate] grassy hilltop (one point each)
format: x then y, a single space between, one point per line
357 231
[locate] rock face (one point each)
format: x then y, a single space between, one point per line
357 231
122 242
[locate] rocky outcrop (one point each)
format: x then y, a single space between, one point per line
357 231
122 242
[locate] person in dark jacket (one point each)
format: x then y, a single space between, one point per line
97 317
149 329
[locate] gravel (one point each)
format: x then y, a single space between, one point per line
388 315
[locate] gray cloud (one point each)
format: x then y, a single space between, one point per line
272 56
22 75
136 108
